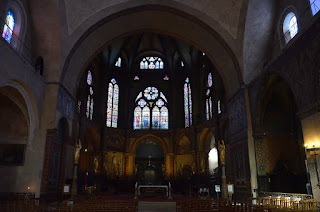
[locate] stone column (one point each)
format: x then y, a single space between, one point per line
251 148
311 136
129 164
169 165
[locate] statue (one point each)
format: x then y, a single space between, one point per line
163 169
96 163
77 151
193 167
202 166
135 169
222 152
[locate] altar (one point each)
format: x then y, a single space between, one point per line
153 189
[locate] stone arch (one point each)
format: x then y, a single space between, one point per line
106 146
16 88
92 41
183 145
267 82
138 141
278 138
207 140
91 140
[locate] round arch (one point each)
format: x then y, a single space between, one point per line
31 107
91 139
164 21
138 141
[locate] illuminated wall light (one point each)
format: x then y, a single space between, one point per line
86 150
28 188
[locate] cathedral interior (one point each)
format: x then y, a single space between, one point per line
107 95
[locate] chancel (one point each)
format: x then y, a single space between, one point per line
189 104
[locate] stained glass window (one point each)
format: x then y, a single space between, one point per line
8 27
315 6
118 63
209 80
166 78
210 106
155 118
290 26
219 106
151 63
136 78
187 103
151 93
89 108
89 78
151 111
209 93
293 26
137 118
182 64
207 109
146 118
112 104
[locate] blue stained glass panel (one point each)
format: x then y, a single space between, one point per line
8 27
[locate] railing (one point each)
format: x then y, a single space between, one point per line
283 195
283 203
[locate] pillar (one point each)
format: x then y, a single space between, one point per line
129 164
251 148
311 136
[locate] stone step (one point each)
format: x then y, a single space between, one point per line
145 206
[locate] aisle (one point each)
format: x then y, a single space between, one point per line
146 206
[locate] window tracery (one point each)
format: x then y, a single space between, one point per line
151 110
187 103
112 104
151 63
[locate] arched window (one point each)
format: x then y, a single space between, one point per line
151 111
112 104
290 26
151 63
8 27
187 103
213 160
315 6
209 93
118 63
89 109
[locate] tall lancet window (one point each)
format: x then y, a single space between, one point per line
118 63
112 104
187 103
8 27
151 111
89 108
209 93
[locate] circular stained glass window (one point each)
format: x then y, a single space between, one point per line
151 93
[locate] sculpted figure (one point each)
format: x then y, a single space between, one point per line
77 151
202 166
222 151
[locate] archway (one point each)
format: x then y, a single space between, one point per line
278 140
149 162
